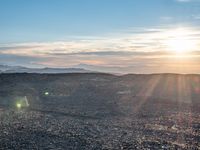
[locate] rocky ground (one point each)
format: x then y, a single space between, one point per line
99 111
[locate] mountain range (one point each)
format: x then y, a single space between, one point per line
20 69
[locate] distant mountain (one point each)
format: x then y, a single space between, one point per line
106 69
19 69
4 68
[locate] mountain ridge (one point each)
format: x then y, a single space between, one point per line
21 69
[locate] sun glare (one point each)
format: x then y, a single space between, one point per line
180 42
181 45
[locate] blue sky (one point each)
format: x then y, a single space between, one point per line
50 27
47 20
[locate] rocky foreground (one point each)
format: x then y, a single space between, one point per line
100 111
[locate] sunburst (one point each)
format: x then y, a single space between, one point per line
180 41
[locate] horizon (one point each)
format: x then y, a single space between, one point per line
109 36
86 71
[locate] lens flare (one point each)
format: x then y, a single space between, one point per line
19 105
46 93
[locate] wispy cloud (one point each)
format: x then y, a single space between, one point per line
166 18
147 41
145 48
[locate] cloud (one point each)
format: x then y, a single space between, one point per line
136 49
146 41
15 60
166 18
196 17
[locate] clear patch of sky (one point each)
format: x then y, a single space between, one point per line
53 20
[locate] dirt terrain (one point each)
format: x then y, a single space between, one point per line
99 111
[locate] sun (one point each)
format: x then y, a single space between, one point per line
181 45
180 42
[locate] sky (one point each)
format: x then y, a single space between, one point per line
128 36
